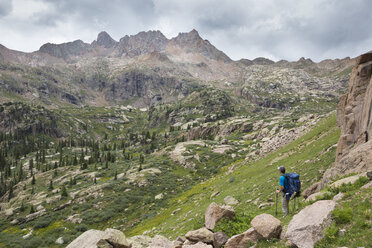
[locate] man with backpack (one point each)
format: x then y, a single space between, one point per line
290 186
284 187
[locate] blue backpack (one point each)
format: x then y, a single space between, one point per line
294 184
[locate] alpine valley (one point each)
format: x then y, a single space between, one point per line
141 135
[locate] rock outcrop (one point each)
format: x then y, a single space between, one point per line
306 227
354 153
215 213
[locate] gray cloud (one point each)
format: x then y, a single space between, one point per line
5 7
289 29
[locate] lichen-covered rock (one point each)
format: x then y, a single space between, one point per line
215 213
88 239
267 226
110 238
202 235
244 239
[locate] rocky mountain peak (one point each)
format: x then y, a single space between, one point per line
191 42
302 59
141 43
262 61
65 50
105 40
187 39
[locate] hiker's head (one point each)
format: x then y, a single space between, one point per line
281 169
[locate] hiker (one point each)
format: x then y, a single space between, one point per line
283 183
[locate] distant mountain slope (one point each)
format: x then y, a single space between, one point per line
148 69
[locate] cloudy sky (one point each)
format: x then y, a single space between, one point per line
276 29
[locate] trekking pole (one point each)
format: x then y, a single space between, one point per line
276 203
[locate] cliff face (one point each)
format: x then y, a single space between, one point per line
354 151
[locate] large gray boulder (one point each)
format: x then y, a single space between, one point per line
244 239
215 213
88 239
202 235
267 225
99 239
306 227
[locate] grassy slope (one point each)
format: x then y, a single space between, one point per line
249 181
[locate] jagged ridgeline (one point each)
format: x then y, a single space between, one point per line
122 134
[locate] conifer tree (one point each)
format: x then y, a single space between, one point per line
33 180
51 185
64 191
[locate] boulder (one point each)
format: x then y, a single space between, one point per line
229 200
244 239
197 245
306 227
267 226
219 239
110 238
177 244
88 239
202 234
215 213
35 215
160 242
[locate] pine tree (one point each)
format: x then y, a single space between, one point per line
31 164
95 180
64 191
33 180
142 159
51 185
